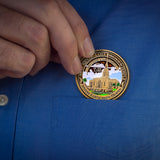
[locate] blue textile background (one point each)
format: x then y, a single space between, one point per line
48 118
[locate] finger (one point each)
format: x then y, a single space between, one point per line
64 41
60 31
28 33
15 61
79 28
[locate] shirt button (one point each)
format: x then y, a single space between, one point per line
3 100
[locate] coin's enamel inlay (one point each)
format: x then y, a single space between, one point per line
105 76
102 78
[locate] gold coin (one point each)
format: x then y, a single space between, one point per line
105 75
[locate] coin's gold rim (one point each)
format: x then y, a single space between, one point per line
100 97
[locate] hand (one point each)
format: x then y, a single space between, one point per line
33 32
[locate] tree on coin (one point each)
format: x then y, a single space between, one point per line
84 80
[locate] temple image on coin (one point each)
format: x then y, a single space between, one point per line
103 78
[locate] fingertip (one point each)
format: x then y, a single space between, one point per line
76 66
29 59
88 47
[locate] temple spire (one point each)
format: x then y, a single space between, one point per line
106 71
106 65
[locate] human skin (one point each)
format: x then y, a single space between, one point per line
34 32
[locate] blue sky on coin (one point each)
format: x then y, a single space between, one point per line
113 74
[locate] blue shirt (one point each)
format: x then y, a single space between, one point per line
48 118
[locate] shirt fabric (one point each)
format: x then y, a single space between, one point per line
48 118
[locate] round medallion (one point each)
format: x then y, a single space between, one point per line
105 76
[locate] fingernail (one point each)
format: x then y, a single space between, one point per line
88 47
76 66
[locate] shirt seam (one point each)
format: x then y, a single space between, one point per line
15 123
